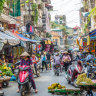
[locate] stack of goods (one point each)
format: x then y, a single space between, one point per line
5 75
83 80
56 86
5 71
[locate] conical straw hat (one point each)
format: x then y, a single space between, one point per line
25 54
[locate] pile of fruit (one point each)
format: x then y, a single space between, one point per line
4 70
56 86
83 80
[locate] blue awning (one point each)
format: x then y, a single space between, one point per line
27 39
93 38
92 33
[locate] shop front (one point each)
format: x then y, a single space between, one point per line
92 42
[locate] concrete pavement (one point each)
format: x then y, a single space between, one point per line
42 83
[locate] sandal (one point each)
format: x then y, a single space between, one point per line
36 91
18 91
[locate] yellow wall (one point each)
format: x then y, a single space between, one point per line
58 39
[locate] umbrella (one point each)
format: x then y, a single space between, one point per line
75 50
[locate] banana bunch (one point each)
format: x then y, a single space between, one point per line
56 86
82 79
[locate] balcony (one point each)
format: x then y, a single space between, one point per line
47 1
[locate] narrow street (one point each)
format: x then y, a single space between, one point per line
46 79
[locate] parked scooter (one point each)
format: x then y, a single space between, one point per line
23 80
57 69
38 70
73 71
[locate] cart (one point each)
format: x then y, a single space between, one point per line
88 89
65 92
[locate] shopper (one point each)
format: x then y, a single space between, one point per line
48 55
43 59
34 61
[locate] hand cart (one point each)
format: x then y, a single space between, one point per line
65 92
88 89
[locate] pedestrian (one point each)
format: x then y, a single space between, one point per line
71 56
27 61
43 59
48 55
66 60
34 61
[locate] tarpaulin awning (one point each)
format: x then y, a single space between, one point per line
21 37
92 33
11 40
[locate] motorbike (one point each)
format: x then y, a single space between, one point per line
91 70
57 69
23 80
38 69
73 71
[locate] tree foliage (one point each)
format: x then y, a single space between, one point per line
48 35
54 25
60 26
1 5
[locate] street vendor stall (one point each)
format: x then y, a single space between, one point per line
57 89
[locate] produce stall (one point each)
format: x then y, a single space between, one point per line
86 84
86 87
57 89
5 75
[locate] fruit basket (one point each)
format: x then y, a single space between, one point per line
64 91
58 89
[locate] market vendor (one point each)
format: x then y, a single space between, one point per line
27 61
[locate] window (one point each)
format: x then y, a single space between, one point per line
60 22
92 3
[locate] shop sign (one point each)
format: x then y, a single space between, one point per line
11 26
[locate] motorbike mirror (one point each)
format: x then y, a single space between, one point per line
94 65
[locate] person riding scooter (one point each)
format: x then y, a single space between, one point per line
66 60
25 60
80 67
56 63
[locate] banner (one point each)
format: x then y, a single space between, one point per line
81 42
77 42
88 40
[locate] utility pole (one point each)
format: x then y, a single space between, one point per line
30 22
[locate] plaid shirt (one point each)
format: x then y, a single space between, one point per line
27 62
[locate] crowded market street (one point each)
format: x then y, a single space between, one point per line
42 83
47 47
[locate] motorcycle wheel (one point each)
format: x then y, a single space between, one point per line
57 74
74 83
21 91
